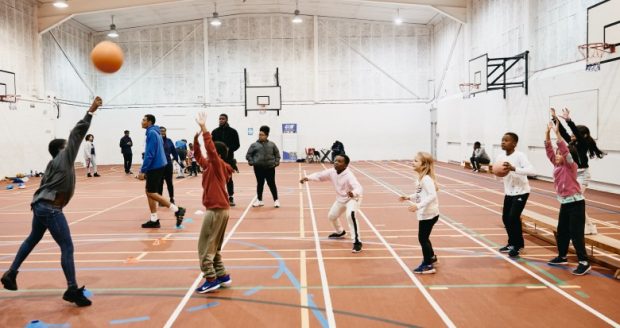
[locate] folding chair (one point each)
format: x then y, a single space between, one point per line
309 155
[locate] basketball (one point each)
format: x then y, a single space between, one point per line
107 57
500 170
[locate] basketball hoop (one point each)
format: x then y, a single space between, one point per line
468 88
262 110
593 53
8 98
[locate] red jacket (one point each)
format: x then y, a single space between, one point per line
215 176
565 175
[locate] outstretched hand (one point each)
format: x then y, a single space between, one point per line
303 180
201 119
566 114
552 112
97 102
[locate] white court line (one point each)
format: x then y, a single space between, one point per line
190 291
329 311
516 264
442 314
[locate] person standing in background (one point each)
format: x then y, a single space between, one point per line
126 145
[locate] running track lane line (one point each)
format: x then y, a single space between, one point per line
518 265
329 310
414 279
173 317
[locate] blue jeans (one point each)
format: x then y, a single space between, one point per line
46 216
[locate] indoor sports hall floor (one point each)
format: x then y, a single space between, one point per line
287 274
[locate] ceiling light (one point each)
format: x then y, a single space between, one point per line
297 19
113 33
398 20
215 21
61 4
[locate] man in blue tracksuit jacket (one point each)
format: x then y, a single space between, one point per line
152 169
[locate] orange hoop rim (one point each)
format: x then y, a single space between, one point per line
599 46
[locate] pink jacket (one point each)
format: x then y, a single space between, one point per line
343 182
565 175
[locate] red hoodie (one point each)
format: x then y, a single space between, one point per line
564 175
215 176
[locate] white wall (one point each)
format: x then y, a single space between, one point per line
399 132
551 32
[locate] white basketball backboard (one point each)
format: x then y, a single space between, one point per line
604 26
478 72
257 97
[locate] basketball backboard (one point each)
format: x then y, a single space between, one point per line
7 86
478 70
604 26
263 98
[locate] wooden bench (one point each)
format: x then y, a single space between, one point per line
533 223
483 167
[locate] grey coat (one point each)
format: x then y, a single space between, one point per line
263 154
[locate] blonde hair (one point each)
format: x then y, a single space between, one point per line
427 167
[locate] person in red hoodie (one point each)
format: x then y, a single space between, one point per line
216 173
572 217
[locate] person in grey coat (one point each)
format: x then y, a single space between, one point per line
264 156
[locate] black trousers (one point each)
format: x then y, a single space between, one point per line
168 179
424 232
571 224
230 186
127 157
268 174
476 161
513 207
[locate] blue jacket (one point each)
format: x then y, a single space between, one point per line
154 156
170 150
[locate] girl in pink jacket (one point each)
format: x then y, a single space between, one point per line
572 217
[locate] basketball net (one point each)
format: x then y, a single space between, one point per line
263 109
594 54
467 88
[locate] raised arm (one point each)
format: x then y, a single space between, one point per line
79 131
548 146
561 128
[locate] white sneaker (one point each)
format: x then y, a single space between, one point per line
276 204
258 203
590 229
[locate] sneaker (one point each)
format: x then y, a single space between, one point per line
337 235
514 252
231 201
434 259
208 286
151 224
425 269
96 175
179 215
590 229
9 280
172 201
505 249
224 281
258 203
276 204
357 247
89 175
582 268
558 261
76 295
129 172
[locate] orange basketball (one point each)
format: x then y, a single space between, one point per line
500 170
107 57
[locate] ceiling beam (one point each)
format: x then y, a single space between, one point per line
457 14
441 3
50 16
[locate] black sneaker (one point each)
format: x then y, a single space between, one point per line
172 201
357 247
151 224
505 249
89 175
514 252
96 175
76 295
337 235
9 280
582 269
558 261
179 215
231 201
434 259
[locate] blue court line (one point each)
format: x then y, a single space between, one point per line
129 320
283 269
253 291
43 324
202 307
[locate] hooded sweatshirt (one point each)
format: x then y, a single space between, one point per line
565 174
154 156
215 176
343 183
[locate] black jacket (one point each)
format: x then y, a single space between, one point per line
230 137
126 144
580 144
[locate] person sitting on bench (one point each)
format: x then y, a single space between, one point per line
479 156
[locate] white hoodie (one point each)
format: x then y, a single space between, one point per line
425 197
343 182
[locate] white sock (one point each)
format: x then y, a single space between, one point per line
154 217
174 208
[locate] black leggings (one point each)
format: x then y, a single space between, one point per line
424 232
571 224
263 174
513 207
168 179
